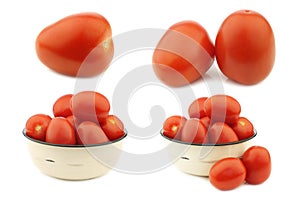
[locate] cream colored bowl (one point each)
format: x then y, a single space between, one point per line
197 159
74 162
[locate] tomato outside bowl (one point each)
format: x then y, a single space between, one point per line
197 159
74 162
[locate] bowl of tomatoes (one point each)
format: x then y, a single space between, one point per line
214 131
72 144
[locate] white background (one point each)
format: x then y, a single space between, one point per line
28 87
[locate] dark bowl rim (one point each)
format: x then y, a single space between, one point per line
198 144
75 145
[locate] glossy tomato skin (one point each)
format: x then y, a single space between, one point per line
220 133
61 107
196 108
243 128
257 161
227 174
222 108
194 132
76 39
89 106
113 127
90 133
183 55
60 131
172 127
245 47
205 121
37 125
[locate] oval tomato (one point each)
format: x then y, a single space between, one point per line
90 133
196 108
222 108
245 47
243 128
227 174
205 121
183 55
89 106
257 161
173 125
113 127
77 45
60 131
194 132
37 125
61 107
220 133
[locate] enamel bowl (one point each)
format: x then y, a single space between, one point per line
197 159
74 162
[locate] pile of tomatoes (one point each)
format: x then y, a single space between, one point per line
80 119
213 120
216 120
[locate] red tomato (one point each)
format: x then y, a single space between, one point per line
173 125
183 54
90 106
257 161
113 127
71 120
60 131
220 133
245 47
90 133
194 132
222 108
243 128
76 39
74 122
196 109
61 107
227 174
205 121
36 126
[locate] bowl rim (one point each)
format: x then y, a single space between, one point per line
208 145
73 145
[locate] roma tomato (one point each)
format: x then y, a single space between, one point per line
77 45
113 127
220 133
196 109
194 132
222 108
90 133
89 106
37 125
257 161
183 55
243 128
227 174
205 121
173 125
245 47
60 131
71 120
61 107
74 122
